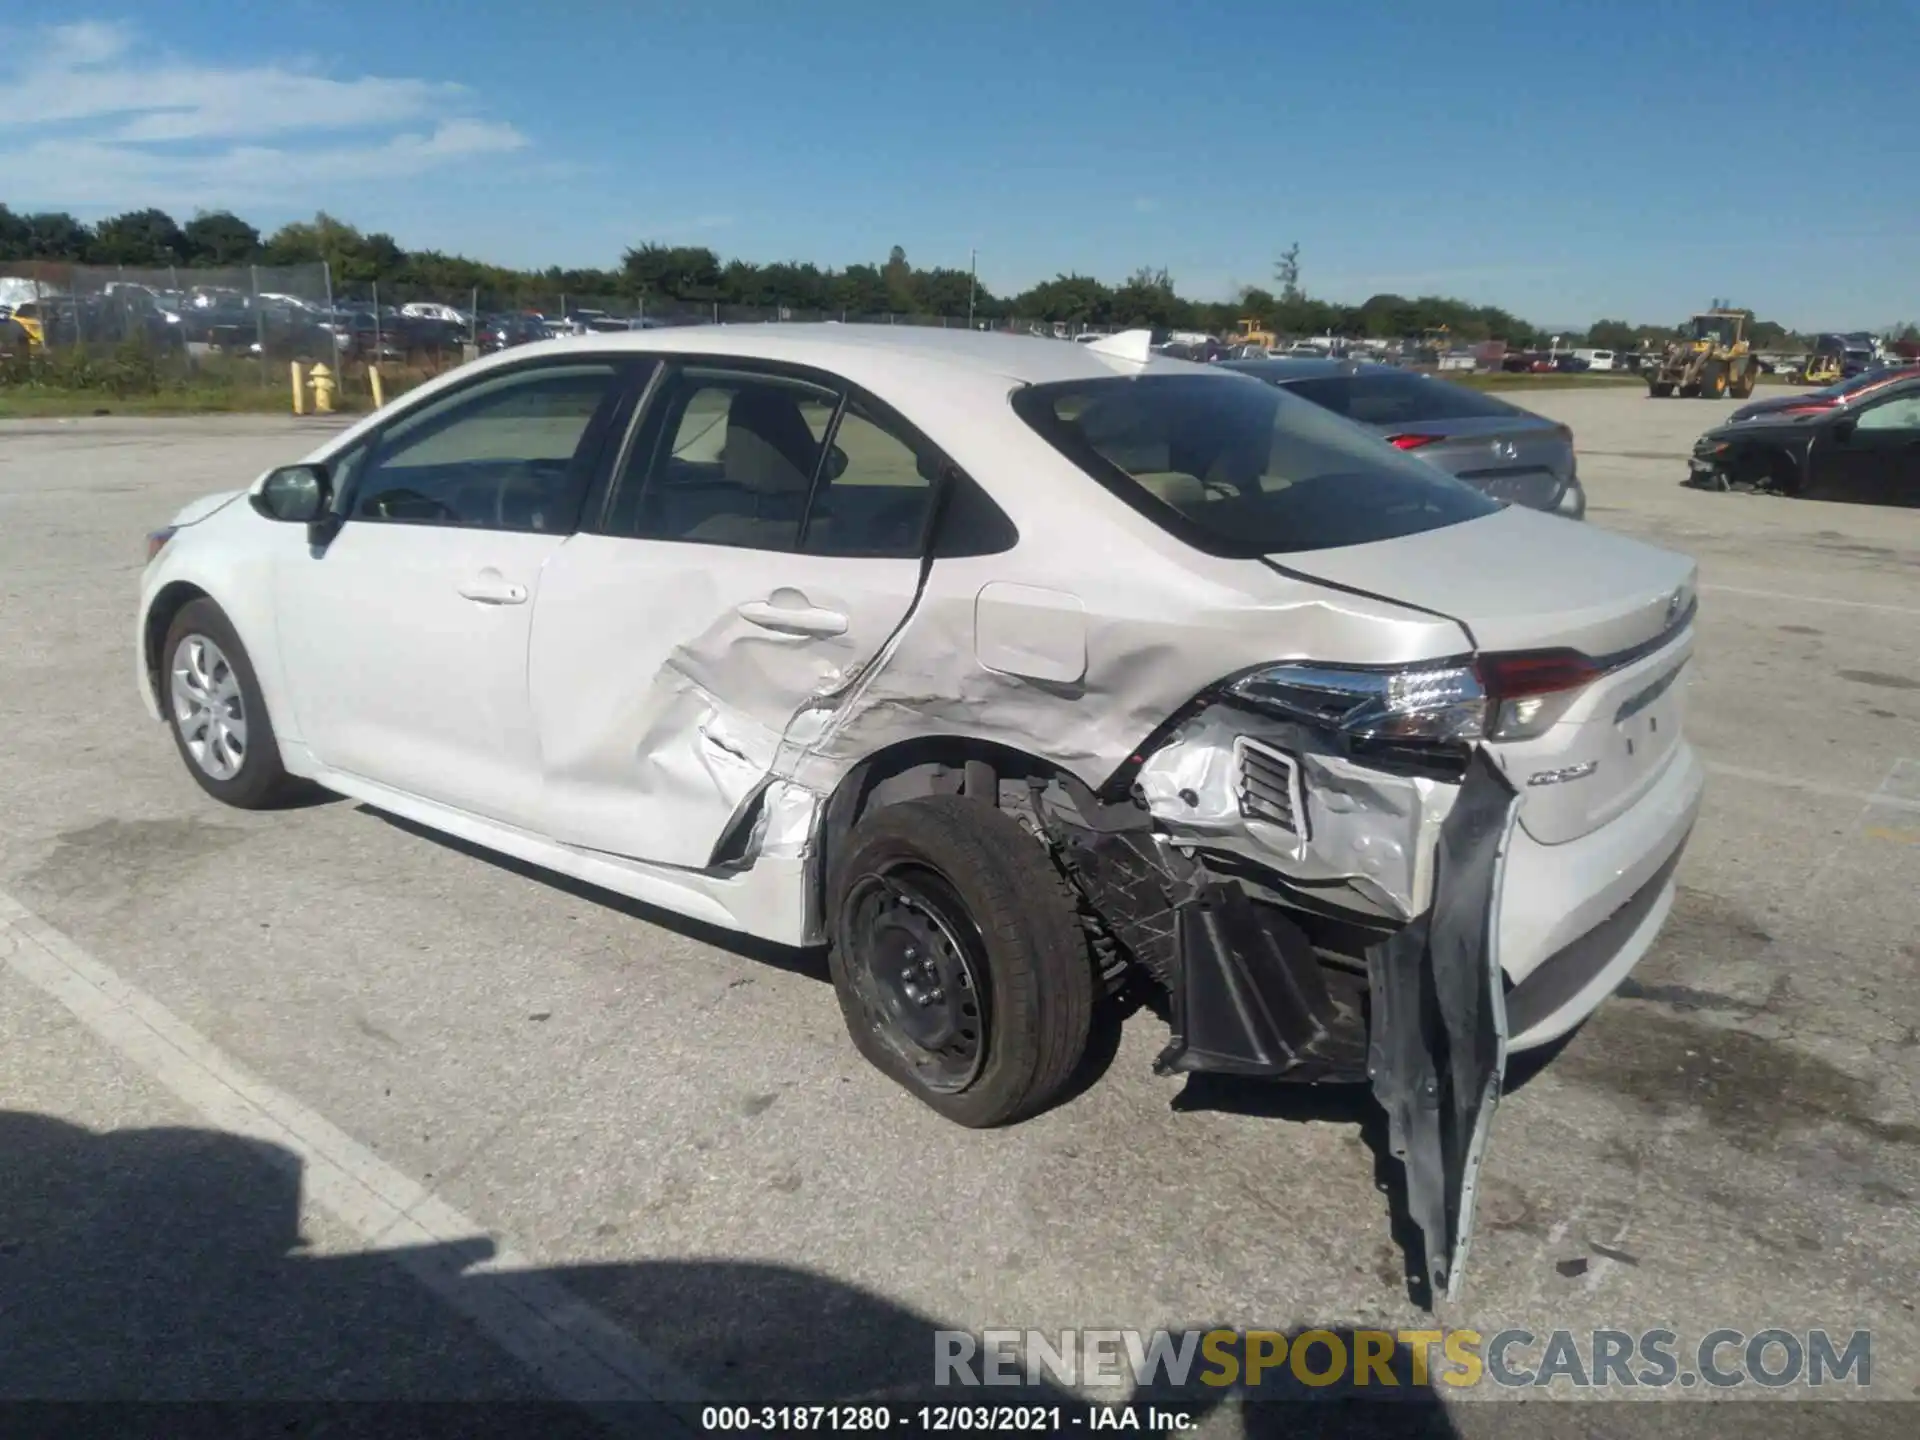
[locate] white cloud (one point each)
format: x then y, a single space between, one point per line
91 116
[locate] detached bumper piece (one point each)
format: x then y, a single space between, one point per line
1249 997
1438 1043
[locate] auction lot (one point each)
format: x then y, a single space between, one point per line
440 1057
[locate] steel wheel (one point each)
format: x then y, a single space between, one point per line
207 707
919 968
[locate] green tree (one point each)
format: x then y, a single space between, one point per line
1287 271
16 236
219 238
140 237
897 276
56 235
674 272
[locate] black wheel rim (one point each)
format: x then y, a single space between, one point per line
919 968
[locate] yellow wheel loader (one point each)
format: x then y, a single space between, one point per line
1712 359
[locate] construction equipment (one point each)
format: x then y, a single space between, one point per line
1823 366
1713 358
1252 332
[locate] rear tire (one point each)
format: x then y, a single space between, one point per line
218 717
958 958
1742 387
1660 389
1713 381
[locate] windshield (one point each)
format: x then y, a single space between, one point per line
1714 327
1394 397
1236 467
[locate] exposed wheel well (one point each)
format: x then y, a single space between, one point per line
172 599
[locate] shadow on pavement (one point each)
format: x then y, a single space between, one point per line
168 1265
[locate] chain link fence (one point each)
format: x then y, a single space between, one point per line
132 330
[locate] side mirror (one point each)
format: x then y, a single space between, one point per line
295 494
836 463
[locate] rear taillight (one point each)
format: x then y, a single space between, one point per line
1527 691
157 541
1410 442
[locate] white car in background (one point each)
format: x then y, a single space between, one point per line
1014 672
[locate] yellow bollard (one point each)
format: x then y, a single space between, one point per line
322 390
379 394
299 390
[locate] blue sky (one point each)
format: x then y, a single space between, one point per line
1567 161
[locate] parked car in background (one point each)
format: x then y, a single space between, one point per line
502 332
1862 447
1844 393
1596 359
1011 672
1509 453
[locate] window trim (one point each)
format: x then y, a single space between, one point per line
597 520
625 367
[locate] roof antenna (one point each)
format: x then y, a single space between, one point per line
1135 347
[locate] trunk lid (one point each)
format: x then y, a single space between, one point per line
1523 581
1519 580
1518 458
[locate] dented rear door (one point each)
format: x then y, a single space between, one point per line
675 651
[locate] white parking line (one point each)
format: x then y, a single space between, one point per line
1813 599
576 1351
1889 796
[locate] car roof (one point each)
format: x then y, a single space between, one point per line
1026 359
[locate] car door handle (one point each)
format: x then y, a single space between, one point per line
493 590
794 620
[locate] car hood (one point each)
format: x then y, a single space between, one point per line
195 511
1520 580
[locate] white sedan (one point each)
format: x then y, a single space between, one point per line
1014 672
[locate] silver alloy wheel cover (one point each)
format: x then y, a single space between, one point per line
207 708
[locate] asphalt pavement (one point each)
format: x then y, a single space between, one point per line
314 1104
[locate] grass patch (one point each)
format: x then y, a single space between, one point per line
1575 380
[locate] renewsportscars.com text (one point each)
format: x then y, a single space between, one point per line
1375 1360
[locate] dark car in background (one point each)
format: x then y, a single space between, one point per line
1865 449
1847 392
503 332
1509 453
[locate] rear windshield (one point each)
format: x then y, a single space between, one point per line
1234 466
1392 397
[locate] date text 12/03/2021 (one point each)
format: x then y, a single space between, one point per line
944 1419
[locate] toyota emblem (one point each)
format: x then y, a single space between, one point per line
1674 602
1505 450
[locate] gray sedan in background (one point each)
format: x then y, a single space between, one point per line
1510 453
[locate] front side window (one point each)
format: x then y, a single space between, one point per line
1237 467
512 452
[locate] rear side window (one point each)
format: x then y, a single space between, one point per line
1392 397
1234 466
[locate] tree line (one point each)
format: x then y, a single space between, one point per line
686 275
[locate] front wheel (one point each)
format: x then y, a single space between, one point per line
1660 389
216 713
958 958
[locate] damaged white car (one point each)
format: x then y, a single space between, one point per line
1014 672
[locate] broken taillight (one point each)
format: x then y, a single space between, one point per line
1527 691
1410 442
